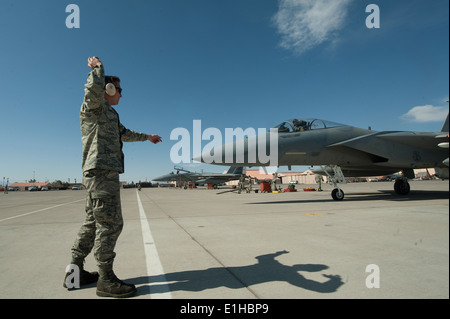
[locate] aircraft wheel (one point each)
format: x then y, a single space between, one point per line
401 187
337 194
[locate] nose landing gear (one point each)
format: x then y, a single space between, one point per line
337 176
337 194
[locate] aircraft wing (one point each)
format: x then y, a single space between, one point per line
360 147
417 139
382 147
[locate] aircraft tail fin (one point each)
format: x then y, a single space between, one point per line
445 126
236 170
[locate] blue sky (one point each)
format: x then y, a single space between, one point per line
228 63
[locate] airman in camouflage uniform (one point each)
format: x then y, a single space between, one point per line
103 160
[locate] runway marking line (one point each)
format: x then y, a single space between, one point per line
154 267
39 210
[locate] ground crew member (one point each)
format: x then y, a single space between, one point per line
319 180
241 183
102 135
250 182
274 181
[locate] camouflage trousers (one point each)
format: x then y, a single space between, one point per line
104 222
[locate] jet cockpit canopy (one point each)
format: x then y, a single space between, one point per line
304 124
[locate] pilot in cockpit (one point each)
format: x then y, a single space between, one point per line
300 125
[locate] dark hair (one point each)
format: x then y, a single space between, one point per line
111 79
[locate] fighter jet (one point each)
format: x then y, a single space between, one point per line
191 177
342 150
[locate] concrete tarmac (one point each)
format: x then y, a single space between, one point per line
216 244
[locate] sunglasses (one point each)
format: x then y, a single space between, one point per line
119 90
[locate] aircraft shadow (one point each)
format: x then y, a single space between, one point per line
267 269
381 195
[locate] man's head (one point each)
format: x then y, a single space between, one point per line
113 92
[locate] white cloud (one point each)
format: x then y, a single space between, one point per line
304 24
426 113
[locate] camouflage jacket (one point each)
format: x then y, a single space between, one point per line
102 133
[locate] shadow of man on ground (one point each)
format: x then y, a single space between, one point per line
267 269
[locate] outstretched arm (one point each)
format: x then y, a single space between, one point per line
132 136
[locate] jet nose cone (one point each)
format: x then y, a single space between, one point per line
197 158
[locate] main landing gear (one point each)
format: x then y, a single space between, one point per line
401 186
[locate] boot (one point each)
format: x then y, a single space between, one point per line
86 277
109 285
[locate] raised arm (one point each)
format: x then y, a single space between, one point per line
95 86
